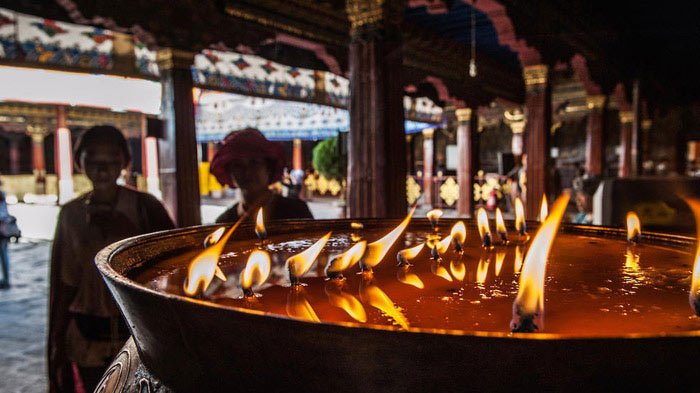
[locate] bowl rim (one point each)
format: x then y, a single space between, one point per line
104 259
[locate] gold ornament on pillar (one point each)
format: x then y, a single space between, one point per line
364 12
515 119
463 115
169 58
626 117
595 102
535 77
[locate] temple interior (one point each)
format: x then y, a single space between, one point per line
378 107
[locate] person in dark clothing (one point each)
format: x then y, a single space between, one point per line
86 329
248 160
4 255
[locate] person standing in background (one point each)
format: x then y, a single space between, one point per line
6 220
86 328
246 159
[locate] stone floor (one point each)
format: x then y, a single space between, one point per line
23 319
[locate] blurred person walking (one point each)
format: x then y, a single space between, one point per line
86 329
8 230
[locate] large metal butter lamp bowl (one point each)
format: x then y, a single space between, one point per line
196 344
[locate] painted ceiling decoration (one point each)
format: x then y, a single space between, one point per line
51 42
218 113
286 102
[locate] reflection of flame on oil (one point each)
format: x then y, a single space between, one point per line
520 225
518 264
299 264
378 249
298 306
256 271
500 257
482 270
528 307
694 296
482 220
632 272
458 270
346 260
634 228
375 297
345 301
440 271
544 209
404 276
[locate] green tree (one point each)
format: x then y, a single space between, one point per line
327 159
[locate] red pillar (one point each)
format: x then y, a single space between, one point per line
297 155
626 118
63 153
14 156
594 135
465 169
179 174
38 134
539 120
428 158
376 162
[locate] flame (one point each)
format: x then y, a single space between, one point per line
482 270
346 302
530 300
256 271
434 215
213 237
405 277
440 271
500 257
459 232
348 259
458 270
300 263
204 266
519 216
444 244
695 285
378 299
500 223
482 220
260 225
378 249
407 254
356 225
544 209
518 264
299 307
634 227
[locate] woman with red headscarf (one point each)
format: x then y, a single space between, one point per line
246 159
